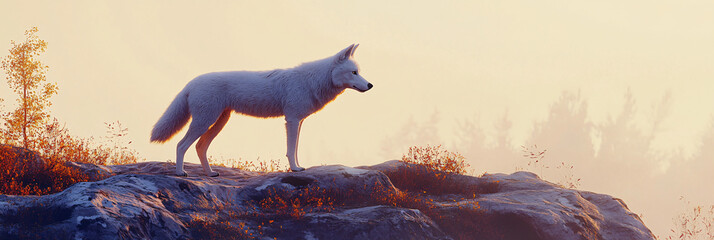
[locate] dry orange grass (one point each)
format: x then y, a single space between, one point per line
295 203
258 165
202 228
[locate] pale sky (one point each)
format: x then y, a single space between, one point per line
457 60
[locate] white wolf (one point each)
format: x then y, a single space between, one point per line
294 93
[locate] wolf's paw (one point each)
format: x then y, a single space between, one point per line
182 174
213 174
297 169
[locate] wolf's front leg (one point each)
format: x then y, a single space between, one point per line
293 131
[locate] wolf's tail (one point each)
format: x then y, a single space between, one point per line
175 117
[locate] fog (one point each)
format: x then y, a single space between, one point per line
616 156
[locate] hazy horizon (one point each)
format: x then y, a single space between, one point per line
619 90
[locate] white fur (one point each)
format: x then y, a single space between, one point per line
294 93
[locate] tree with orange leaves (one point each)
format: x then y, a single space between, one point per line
26 76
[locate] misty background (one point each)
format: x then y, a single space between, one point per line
619 91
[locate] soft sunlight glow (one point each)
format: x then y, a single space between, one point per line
614 88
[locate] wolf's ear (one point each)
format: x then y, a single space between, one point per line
344 54
353 49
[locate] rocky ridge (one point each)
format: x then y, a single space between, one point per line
144 201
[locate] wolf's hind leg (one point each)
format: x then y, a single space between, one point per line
199 125
207 138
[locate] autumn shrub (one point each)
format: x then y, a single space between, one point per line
57 143
27 173
46 171
436 159
434 171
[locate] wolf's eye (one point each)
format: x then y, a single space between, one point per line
354 72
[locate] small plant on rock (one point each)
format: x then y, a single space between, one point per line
433 171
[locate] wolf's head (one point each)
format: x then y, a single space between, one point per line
345 74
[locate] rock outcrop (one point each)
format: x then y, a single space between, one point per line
144 201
